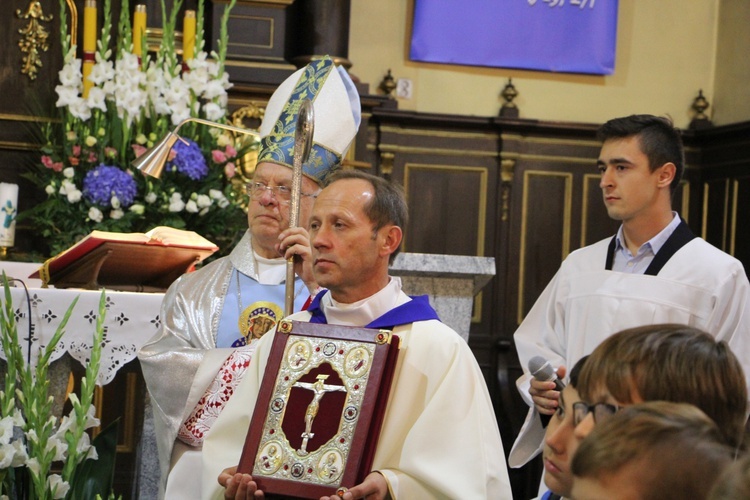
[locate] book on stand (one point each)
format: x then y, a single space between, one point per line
147 262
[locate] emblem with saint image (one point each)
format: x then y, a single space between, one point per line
320 408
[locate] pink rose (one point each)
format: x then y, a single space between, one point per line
138 149
229 170
74 161
77 150
47 161
92 157
231 152
218 156
57 166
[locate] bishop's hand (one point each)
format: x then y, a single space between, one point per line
295 242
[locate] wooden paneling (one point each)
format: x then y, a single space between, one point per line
740 242
545 231
433 192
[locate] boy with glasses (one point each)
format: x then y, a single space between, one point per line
666 362
560 441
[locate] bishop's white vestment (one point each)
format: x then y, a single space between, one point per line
182 359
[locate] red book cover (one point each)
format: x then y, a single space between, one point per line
320 409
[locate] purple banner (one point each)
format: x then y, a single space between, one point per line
571 36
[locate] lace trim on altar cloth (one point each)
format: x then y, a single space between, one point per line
131 320
194 428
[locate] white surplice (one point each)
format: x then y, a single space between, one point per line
584 304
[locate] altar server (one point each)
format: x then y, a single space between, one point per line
654 270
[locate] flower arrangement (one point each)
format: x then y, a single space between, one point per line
41 456
131 103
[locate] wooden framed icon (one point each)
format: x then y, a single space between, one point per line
320 408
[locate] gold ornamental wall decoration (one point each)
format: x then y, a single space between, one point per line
35 38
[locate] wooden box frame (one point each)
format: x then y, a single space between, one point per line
345 373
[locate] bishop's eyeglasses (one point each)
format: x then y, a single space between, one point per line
283 194
600 411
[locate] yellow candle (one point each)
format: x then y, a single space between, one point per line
89 42
188 35
139 28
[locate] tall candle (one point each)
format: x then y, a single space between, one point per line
188 36
89 43
139 28
8 210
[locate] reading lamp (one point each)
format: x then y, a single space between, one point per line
153 160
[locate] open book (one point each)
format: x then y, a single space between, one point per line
127 261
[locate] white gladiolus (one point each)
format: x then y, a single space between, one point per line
6 430
33 465
56 484
70 75
97 99
79 109
66 96
213 111
7 452
59 446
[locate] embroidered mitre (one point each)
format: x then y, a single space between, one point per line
337 115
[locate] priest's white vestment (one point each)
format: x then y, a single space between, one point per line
439 439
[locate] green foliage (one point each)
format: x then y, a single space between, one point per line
32 439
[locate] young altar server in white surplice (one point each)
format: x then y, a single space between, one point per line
211 318
439 437
654 270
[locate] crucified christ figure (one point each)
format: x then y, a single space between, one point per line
319 388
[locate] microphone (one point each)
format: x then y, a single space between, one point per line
541 370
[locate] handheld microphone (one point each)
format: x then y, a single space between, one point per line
541 370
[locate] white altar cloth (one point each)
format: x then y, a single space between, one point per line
131 319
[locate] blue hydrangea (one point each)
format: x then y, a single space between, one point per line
189 160
101 183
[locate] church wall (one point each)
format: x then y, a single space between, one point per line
666 52
731 102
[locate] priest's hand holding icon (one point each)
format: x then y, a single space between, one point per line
239 486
